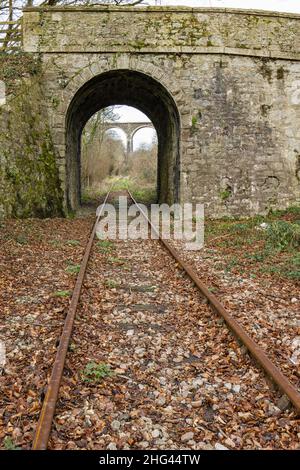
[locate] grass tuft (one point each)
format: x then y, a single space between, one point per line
95 373
62 293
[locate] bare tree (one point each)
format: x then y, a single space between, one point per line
9 28
95 2
143 164
102 154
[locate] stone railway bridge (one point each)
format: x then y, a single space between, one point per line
130 129
221 87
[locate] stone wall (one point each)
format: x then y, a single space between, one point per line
161 30
234 77
29 180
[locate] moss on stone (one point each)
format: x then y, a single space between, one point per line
280 73
139 44
266 70
265 109
29 180
14 68
55 102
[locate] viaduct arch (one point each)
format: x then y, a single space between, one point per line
130 129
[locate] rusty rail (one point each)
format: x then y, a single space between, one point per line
271 370
43 429
46 416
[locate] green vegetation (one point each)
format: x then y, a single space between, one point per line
282 235
143 193
213 290
115 260
294 271
145 196
15 67
94 373
9 444
73 242
30 181
106 246
70 214
194 121
267 245
55 243
139 44
225 194
111 283
73 268
21 240
62 293
55 102
231 264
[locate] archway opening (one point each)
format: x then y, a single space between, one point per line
119 150
131 88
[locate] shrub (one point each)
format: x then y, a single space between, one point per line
282 235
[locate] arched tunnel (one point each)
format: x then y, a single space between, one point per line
131 88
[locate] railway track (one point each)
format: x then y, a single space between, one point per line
178 268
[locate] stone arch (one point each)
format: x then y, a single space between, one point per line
117 62
132 88
129 129
144 126
112 126
125 134
116 127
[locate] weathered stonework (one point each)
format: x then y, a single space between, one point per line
29 179
222 88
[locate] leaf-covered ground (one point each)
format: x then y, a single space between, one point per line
149 365
34 295
253 266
